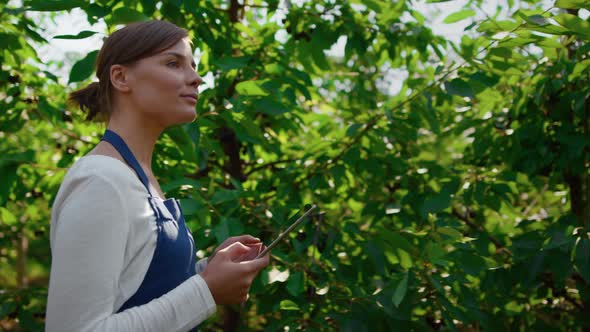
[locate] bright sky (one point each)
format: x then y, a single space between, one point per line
74 21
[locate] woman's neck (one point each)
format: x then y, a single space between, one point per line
140 135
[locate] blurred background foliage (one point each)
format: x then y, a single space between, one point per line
460 202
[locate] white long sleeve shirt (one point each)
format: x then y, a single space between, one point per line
103 236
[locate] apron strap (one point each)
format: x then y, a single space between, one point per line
120 145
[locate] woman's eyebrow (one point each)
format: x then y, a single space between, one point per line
180 56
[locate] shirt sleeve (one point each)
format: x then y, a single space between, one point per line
87 259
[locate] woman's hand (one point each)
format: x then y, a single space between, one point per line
247 240
229 276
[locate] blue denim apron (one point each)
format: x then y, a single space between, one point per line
174 259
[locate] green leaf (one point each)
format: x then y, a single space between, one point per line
295 284
8 181
582 258
49 110
83 68
245 128
9 163
189 206
436 203
549 43
34 35
28 322
288 305
180 182
376 6
537 19
491 25
224 195
183 141
126 15
548 29
81 35
353 129
580 68
10 41
95 12
396 240
572 4
452 233
6 308
227 227
470 263
318 56
8 159
51 76
574 24
518 41
149 6
459 87
502 52
400 291
6 217
274 69
270 106
458 16
53 5
377 257
450 313
435 253
251 88
229 63
418 16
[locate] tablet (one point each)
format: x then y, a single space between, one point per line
287 231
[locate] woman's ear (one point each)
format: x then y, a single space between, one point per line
119 78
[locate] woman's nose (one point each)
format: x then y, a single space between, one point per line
195 79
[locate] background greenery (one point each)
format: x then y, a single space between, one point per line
461 203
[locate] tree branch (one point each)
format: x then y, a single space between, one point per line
465 218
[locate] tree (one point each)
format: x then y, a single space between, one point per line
461 202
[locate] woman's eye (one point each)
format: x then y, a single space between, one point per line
172 64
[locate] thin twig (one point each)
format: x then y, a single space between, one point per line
263 166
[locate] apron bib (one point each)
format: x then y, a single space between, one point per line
174 259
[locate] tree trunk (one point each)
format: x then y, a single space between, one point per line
231 147
22 248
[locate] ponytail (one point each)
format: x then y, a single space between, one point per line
89 99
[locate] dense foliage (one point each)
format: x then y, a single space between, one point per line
461 202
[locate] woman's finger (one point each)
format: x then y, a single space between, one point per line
246 238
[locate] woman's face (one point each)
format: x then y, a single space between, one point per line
164 86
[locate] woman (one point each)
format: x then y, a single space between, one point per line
122 256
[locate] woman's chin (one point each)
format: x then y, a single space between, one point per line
184 117
190 117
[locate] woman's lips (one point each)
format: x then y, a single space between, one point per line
191 98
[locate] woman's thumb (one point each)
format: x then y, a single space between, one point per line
259 263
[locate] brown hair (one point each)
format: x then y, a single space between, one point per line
124 47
